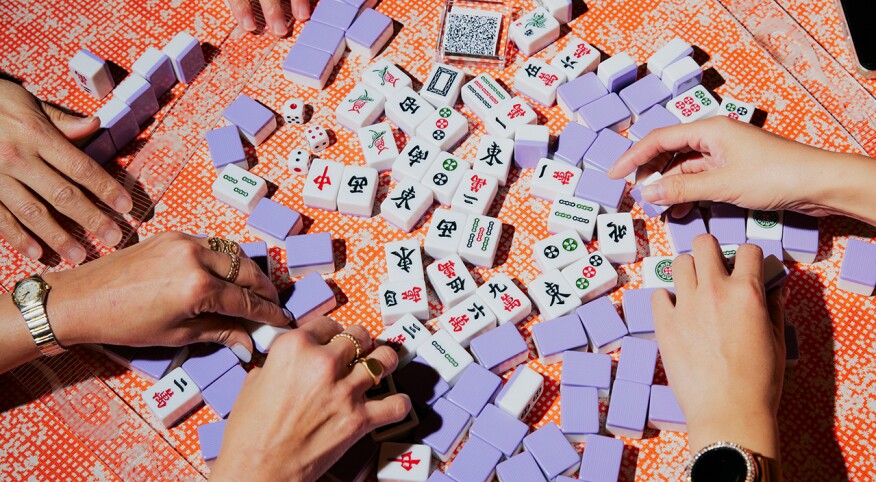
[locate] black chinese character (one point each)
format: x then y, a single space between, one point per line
358 184
390 298
416 156
553 290
457 284
493 154
445 228
617 232
532 70
404 199
412 330
568 63
496 288
409 105
404 258
477 311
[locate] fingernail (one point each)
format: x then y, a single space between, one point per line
279 28
786 292
302 12
76 255
288 314
241 352
610 172
248 24
111 235
653 193
34 252
123 204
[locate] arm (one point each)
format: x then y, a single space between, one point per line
730 161
168 290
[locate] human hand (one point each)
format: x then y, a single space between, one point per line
37 165
723 347
275 18
297 415
724 160
168 290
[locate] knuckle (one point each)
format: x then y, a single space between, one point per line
9 153
199 283
676 187
65 195
33 127
32 212
357 422
82 169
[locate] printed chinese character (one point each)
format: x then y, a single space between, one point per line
390 298
404 199
548 79
564 177
323 179
458 322
412 330
161 398
357 184
553 290
492 154
477 311
406 460
448 269
568 63
412 294
617 232
445 228
416 156
477 183
409 105
509 302
404 259
457 284
496 288
516 111
532 70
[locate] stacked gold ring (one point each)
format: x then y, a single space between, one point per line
230 248
352 339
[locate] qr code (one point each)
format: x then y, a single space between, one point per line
472 33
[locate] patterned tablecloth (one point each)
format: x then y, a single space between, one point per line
81 417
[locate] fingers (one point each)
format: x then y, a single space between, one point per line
301 9
681 137
14 234
361 379
34 215
709 259
226 331
344 350
391 409
683 188
684 274
749 262
322 329
243 13
72 127
232 300
274 18
682 210
249 276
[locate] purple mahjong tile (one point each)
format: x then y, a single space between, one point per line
117 118
226 147
335 13
579 411
603 325
637 312
443 428
682 231
368 27
356 462
859 263
576 94
775 273
627 408
681 75
438 476
654 118
520 468
421 382
582 369
595 186
644 94
727 223
207 367
322 37
154 362
606 150
621 77
309 250
768 246
138 94
573 142
601 460
248 115
475 388
800 236
553 452
186 56
307 62
310 296
258 252
651 210
210 439
663 410
499 429
476 462
637 360
155 66
221 394
553 337
274 220
100 147
500 349
607 112
527 153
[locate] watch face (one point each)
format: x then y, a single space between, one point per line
28 292
721 464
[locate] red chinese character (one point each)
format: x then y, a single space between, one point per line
548 79
412 294
406 460
163 397
458 322
510 302
477 183
448 269
516 111
397 341
563 177
322 179
581 50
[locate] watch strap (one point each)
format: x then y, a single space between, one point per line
37 321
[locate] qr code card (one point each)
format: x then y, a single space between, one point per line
472 32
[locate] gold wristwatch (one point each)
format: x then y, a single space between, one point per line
729 461
30 296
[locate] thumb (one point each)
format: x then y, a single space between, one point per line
72 127
682 188
226 331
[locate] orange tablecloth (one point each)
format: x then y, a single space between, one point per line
81 417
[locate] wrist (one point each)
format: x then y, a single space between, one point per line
846 188
756 431
69 322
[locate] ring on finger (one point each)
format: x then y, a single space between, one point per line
352 339
223 245
374 368
231 277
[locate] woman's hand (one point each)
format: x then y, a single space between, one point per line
39 168
168 290
725 160
275 17
297 415
723 348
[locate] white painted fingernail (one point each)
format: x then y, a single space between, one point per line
241 352
288 314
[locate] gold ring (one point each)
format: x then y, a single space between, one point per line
231 277
375 369
352 339
223 245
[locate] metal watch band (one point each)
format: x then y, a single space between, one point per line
38 324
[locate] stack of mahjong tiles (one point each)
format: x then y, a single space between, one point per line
334 26
135 99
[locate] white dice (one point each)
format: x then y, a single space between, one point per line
506 300
398 298
414 160
539 81
407 110
695 104
534 31
172 397
316 137
406 204
494 157
400 462
553 295
357 190
446 356
403 260
591 277
362 106
467 320
560 9
552 179
521 392
239 188
444 176
298 162
736 109
576 58
479 240
404 336
451 280
445 127
766 225
91 73
444 234
568 212
617 237
443 85
558 251
657 272
323 184
293 111
378 146
385 77
475 193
